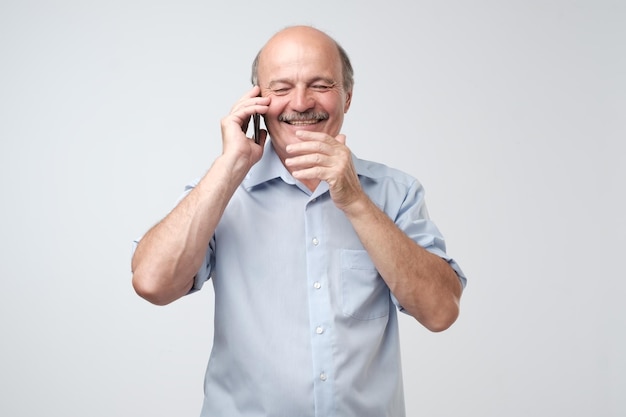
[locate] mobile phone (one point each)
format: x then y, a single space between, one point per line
257 127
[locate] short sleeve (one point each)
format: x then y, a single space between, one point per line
413 219
204 272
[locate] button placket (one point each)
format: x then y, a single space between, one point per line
320 314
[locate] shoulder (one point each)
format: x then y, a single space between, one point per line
380 173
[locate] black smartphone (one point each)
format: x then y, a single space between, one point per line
256 122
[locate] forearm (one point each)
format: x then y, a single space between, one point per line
170 254
423 283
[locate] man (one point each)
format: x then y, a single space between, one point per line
311 250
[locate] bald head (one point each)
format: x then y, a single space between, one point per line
312 37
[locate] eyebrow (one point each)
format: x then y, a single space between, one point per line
314 80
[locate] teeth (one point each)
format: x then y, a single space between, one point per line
303 122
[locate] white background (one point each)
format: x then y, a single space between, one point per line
511 113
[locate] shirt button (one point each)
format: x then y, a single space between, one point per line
315 241
317 285
323 376
319 330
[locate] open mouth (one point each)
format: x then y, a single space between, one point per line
302 122
303 119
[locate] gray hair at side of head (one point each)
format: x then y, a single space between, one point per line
346 68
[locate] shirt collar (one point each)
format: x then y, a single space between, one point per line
268 168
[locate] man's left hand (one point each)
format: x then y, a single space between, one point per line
325 158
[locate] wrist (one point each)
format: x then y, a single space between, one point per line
233 165
359 206
228 170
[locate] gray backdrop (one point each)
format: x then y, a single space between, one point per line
511 113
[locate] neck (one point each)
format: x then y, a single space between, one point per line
310 184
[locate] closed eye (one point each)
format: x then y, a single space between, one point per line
320 87
280 91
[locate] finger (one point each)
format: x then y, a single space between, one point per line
251 98
308 147
250 106
311 173
255 91
248 95
311 136
308 160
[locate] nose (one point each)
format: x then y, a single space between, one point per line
302 99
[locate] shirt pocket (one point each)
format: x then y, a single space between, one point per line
365 295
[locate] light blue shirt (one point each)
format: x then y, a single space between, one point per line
304 324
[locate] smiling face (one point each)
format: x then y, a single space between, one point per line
300 69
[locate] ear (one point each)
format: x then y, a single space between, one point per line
348 101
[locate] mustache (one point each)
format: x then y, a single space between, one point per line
298 117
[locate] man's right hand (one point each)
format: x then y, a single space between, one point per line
241 150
